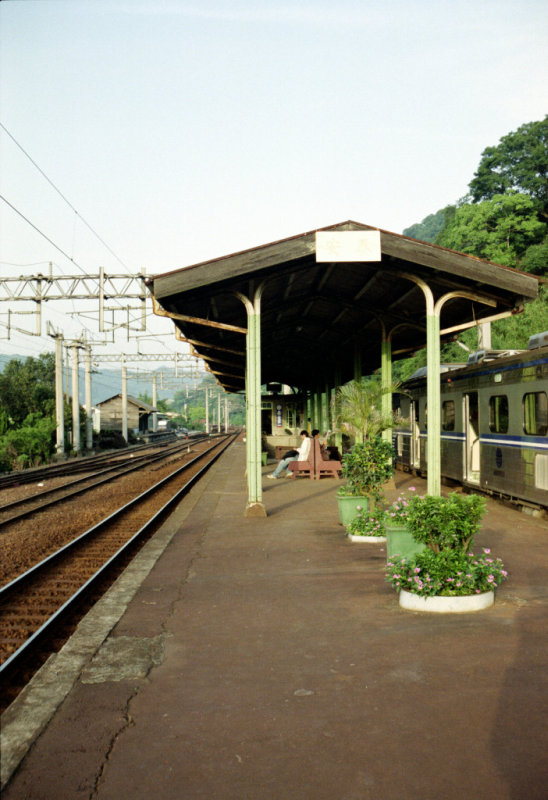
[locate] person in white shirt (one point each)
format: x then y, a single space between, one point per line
300 454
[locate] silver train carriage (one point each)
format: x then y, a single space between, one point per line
494 423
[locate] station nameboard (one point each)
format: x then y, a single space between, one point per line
348 246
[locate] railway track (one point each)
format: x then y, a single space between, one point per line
83 464
35 604
39 501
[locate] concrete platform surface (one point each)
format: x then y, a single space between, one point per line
268 659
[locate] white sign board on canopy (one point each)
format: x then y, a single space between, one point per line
348 246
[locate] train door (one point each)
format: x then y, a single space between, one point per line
415 435
471 438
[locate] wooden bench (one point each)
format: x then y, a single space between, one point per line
306 467
317 465
324 465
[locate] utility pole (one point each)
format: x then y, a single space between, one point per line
207 410
67 373
87 391
154 402
59 397
75 401
124 400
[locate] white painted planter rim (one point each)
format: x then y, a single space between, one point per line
446 605
366 538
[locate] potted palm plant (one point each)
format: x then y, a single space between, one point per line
446 576
357 411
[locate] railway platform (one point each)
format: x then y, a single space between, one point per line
267 659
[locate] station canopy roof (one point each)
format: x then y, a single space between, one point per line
316 316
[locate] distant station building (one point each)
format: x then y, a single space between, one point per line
109 415
283 415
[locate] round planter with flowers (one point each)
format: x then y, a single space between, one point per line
446 571
367 527
446 605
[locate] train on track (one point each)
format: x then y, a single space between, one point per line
494 423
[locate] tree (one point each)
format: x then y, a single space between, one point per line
431 226
519 162
500 229
535 258
28 387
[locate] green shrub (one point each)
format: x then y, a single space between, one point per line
445 523
367 467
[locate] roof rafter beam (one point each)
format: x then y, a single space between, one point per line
161 312
179 335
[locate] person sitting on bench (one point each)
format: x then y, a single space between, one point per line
300 454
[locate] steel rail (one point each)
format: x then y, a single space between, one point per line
12 663
70 466
80 464
122 468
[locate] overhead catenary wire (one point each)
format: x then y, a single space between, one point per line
67 201
132 315
37 229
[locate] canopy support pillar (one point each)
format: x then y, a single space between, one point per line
433 390
386 381
255 506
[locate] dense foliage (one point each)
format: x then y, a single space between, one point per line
500 229
519 162
28 387
505 216
504 219
366 467
27 412
445 523
357 409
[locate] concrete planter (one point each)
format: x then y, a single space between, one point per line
351 507
366 538
446 605
400 542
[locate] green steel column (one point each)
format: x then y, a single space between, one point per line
433 399
433 394
308 425
386 383
316 414
255 506
338 435
326 417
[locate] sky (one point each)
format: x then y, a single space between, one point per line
154 135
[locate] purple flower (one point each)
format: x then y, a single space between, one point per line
486 550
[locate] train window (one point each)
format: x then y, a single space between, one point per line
535 413
498 413
448 415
